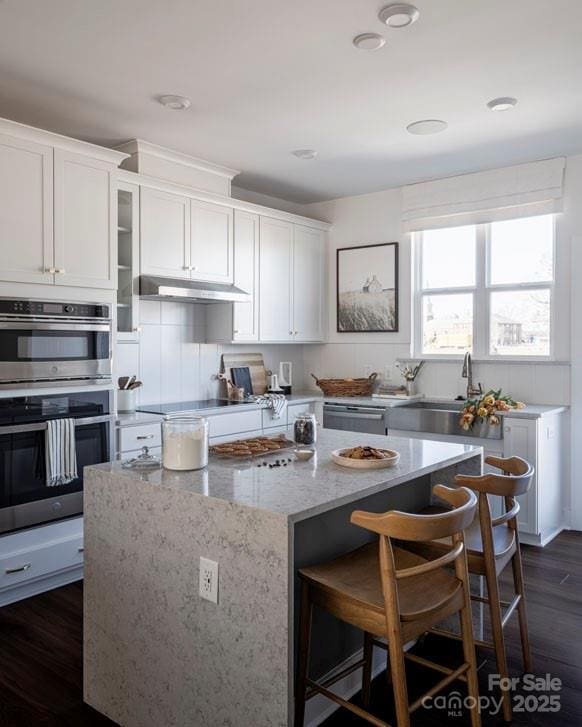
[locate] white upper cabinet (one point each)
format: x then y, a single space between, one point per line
85 211
246 275
26 211
276 259
308 283
165 233
211 242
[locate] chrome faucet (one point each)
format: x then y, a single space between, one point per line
467 373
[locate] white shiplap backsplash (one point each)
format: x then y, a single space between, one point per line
173 360
529 382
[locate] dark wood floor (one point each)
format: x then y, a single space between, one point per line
41 652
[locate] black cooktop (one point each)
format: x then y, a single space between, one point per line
184 406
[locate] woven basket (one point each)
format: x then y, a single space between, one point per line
346 387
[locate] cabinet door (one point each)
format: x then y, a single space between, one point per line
165 233
308 283
520 439
127 261
246 275
85 214
276 246
26 216
211 247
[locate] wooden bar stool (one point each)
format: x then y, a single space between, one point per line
492 543
394 594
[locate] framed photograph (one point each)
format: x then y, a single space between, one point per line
367 288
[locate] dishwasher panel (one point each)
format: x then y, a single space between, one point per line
344 417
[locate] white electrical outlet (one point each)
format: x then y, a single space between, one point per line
387 373
208 584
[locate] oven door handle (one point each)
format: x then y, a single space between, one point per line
64 327
40 426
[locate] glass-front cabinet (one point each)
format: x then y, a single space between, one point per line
127 261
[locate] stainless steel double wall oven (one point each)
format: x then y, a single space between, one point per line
53 345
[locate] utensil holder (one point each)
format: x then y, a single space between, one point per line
126 400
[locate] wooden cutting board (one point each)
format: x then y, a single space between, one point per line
256 366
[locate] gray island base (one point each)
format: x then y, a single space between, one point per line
155 653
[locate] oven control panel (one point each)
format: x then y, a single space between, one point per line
54 309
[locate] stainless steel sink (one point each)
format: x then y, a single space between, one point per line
438 418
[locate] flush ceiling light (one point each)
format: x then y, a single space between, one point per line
427 126
399 15
304 153
502 104
176 103
369 41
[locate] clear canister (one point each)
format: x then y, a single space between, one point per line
184 442
305 430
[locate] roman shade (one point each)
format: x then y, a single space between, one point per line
524 190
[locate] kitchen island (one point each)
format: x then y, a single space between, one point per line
156 654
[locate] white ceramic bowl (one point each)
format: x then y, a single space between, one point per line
365 464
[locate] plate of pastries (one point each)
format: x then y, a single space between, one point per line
255 447
365 457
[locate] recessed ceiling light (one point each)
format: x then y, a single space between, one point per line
176 103
369 41
304 153
427 126
502 104
399 15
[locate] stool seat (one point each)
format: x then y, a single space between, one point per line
352 584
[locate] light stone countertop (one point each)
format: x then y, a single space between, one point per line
129 419
303 489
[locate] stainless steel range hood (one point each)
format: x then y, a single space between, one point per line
189 291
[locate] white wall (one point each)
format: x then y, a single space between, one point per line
173 361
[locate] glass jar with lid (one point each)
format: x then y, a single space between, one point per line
184 442
305 430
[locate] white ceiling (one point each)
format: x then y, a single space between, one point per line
267 76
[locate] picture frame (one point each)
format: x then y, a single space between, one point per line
367 288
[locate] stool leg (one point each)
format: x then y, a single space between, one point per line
367 670
398 673
521 609
303 654
469 655
497 628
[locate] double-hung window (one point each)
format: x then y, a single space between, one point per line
487 288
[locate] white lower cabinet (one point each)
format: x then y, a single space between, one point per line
36 560
538 441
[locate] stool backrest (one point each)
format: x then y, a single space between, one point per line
516 480
407 526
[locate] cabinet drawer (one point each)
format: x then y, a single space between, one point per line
29 564
222 425
269 422
145 435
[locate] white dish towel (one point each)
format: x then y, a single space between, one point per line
60 452
276 402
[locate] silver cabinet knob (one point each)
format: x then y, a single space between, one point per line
186 267
52 271
137 329
60 271
236 331
145 436
194 267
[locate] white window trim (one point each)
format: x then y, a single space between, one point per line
481 302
